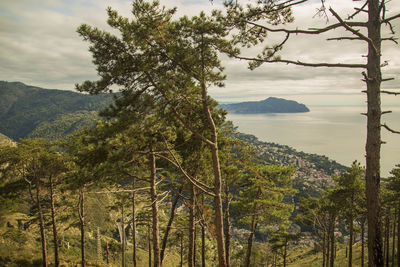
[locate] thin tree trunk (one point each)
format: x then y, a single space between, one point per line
123 233
362 242
99 252
107 254
285 252
169 225
387 237
373 144
203 239
351 241
219 224
81 210
394 236
332 239
328 243
53 222
41 224
181 237
398 236
227 224
134 222
250 240
154 205
191 227
149 239
323 249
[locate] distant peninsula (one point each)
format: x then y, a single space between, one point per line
269 105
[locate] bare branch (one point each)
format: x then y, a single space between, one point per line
119 191
391 18
355 32
344 38
387 79
311 31
389 129
391 39
386 112
358 10
390 93
306 64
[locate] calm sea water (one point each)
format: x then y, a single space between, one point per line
338 132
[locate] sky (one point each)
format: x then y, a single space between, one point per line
39 46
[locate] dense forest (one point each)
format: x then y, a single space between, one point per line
163 179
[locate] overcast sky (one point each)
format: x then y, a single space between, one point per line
39 46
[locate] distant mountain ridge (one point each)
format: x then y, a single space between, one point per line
25 109
269 105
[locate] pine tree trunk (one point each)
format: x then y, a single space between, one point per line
123 234
203 239
149 242
134 222
219 224
154 208
53 222
373 144
323 249
351 241
181 239
81 210
169 225
398 236
285 252
227 224
250 240
387 237
191 227
362 242
99 252
332 239
394 236
41 224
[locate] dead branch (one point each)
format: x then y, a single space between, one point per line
389 129
390 93
306 64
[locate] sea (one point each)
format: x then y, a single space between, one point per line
338 132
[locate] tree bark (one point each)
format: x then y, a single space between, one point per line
250 240
285 252
328 243
134 222
169 225
41 224
81 211
219 224
323 249
373 144
227 223
394 236
332 239
203 239
54 224
154 205
123 233
351 241
149 241
398 236
387 237
191 227
362 242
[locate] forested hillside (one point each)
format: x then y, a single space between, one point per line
28 110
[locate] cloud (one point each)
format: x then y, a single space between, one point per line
39 46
